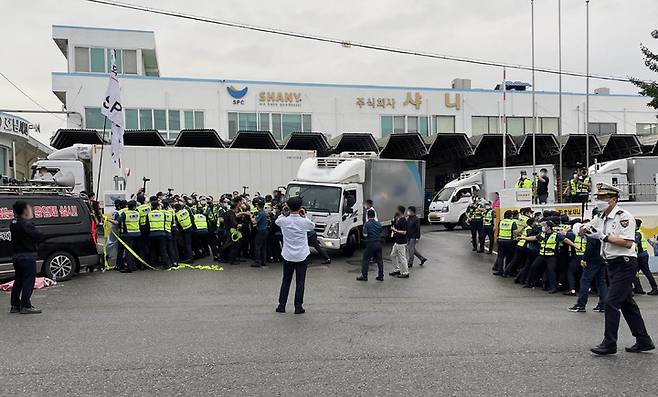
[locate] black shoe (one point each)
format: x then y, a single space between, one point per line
497 273
15 309
125 271
569 293
528 286
327 262
653 292
640 347
403 275
600 309
639 292
362 278
577 309
395 273
553 291
380 278
30 310
299 310
480 251
422 261
281 309
603 349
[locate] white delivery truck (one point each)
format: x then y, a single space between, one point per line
334 189
448 207
635 176
185 170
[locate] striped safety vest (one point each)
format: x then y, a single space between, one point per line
505 229
183 219
640 243
169 219
488 217
132 222
548 245
156 220
143 210
524 233
581 244
200 222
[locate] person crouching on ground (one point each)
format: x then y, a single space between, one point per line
294 228
24 240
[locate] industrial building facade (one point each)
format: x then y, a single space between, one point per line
172 104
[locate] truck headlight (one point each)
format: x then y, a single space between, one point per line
445 208
332 232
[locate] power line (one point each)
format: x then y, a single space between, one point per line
348 44
29 97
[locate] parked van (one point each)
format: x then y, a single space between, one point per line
69 231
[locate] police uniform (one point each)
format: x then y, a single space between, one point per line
143 241
475 218
155 221
506 229
184 223
130 233
488 219
200 240
170 234
622 267
643 264
546 260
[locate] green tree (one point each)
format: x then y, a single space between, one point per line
648 88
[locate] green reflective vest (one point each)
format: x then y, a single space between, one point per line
132 221
641 243
523 184
143 210
156 220
183 219
582 186
581 244
200 222
169 219
524 233
573 186
488 218
548 244
505 229
477 214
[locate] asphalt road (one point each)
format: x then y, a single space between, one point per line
450 329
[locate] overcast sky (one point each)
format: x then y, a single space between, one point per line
495 30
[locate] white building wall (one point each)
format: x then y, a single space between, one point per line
334 108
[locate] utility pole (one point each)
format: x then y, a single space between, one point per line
587 84
534 107
559 57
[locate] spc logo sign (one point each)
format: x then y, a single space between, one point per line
236 94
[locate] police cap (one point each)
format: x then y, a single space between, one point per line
605 189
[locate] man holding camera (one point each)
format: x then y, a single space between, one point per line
294 227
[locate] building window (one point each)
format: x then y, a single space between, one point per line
3 160
424 126
132 122
550 125
412 124
515 125
306 123
399 124
232 124
174 120
387 125
646 128
443 124
129 61
276 125
290 123
94 119
263 121
160 119
146 119
81 59
189 119
118 60
198 120
97 56
602 128
479 125
247 122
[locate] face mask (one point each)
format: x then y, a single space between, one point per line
545 229
602 205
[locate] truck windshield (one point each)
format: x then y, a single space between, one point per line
444 194
317 198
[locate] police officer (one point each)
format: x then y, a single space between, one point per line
130 234
571 192
260 240
475 214
523 182
117 216
170 231
200 235
506 232
643 262
155 224
615 227
488 221
143 243
184 224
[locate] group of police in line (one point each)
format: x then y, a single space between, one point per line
166 230
548 250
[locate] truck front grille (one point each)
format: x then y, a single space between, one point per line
320 228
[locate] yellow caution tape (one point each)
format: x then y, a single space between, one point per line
134 253
106 234
197 267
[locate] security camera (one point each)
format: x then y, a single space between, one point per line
654 34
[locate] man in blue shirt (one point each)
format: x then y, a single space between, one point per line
372 231
260 240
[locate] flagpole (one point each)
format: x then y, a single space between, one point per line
100 165
504 128
559 57
587 84
534 109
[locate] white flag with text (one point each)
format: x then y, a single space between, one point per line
113 110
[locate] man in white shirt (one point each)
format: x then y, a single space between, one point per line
294 228
369 206
615 227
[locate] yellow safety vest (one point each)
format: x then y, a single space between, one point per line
156 221
169 219
235 234
548 244
488 217
525 232
143 210
642 246
525 184
582 186
200 222
505 229
183 218
132 221
581 244
573 186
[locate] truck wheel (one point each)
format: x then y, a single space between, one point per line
60 266
449 226
463 222
350 246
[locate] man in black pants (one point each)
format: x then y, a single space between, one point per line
372 231
24 240
294 228
615 227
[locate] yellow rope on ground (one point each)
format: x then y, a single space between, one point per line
197 267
